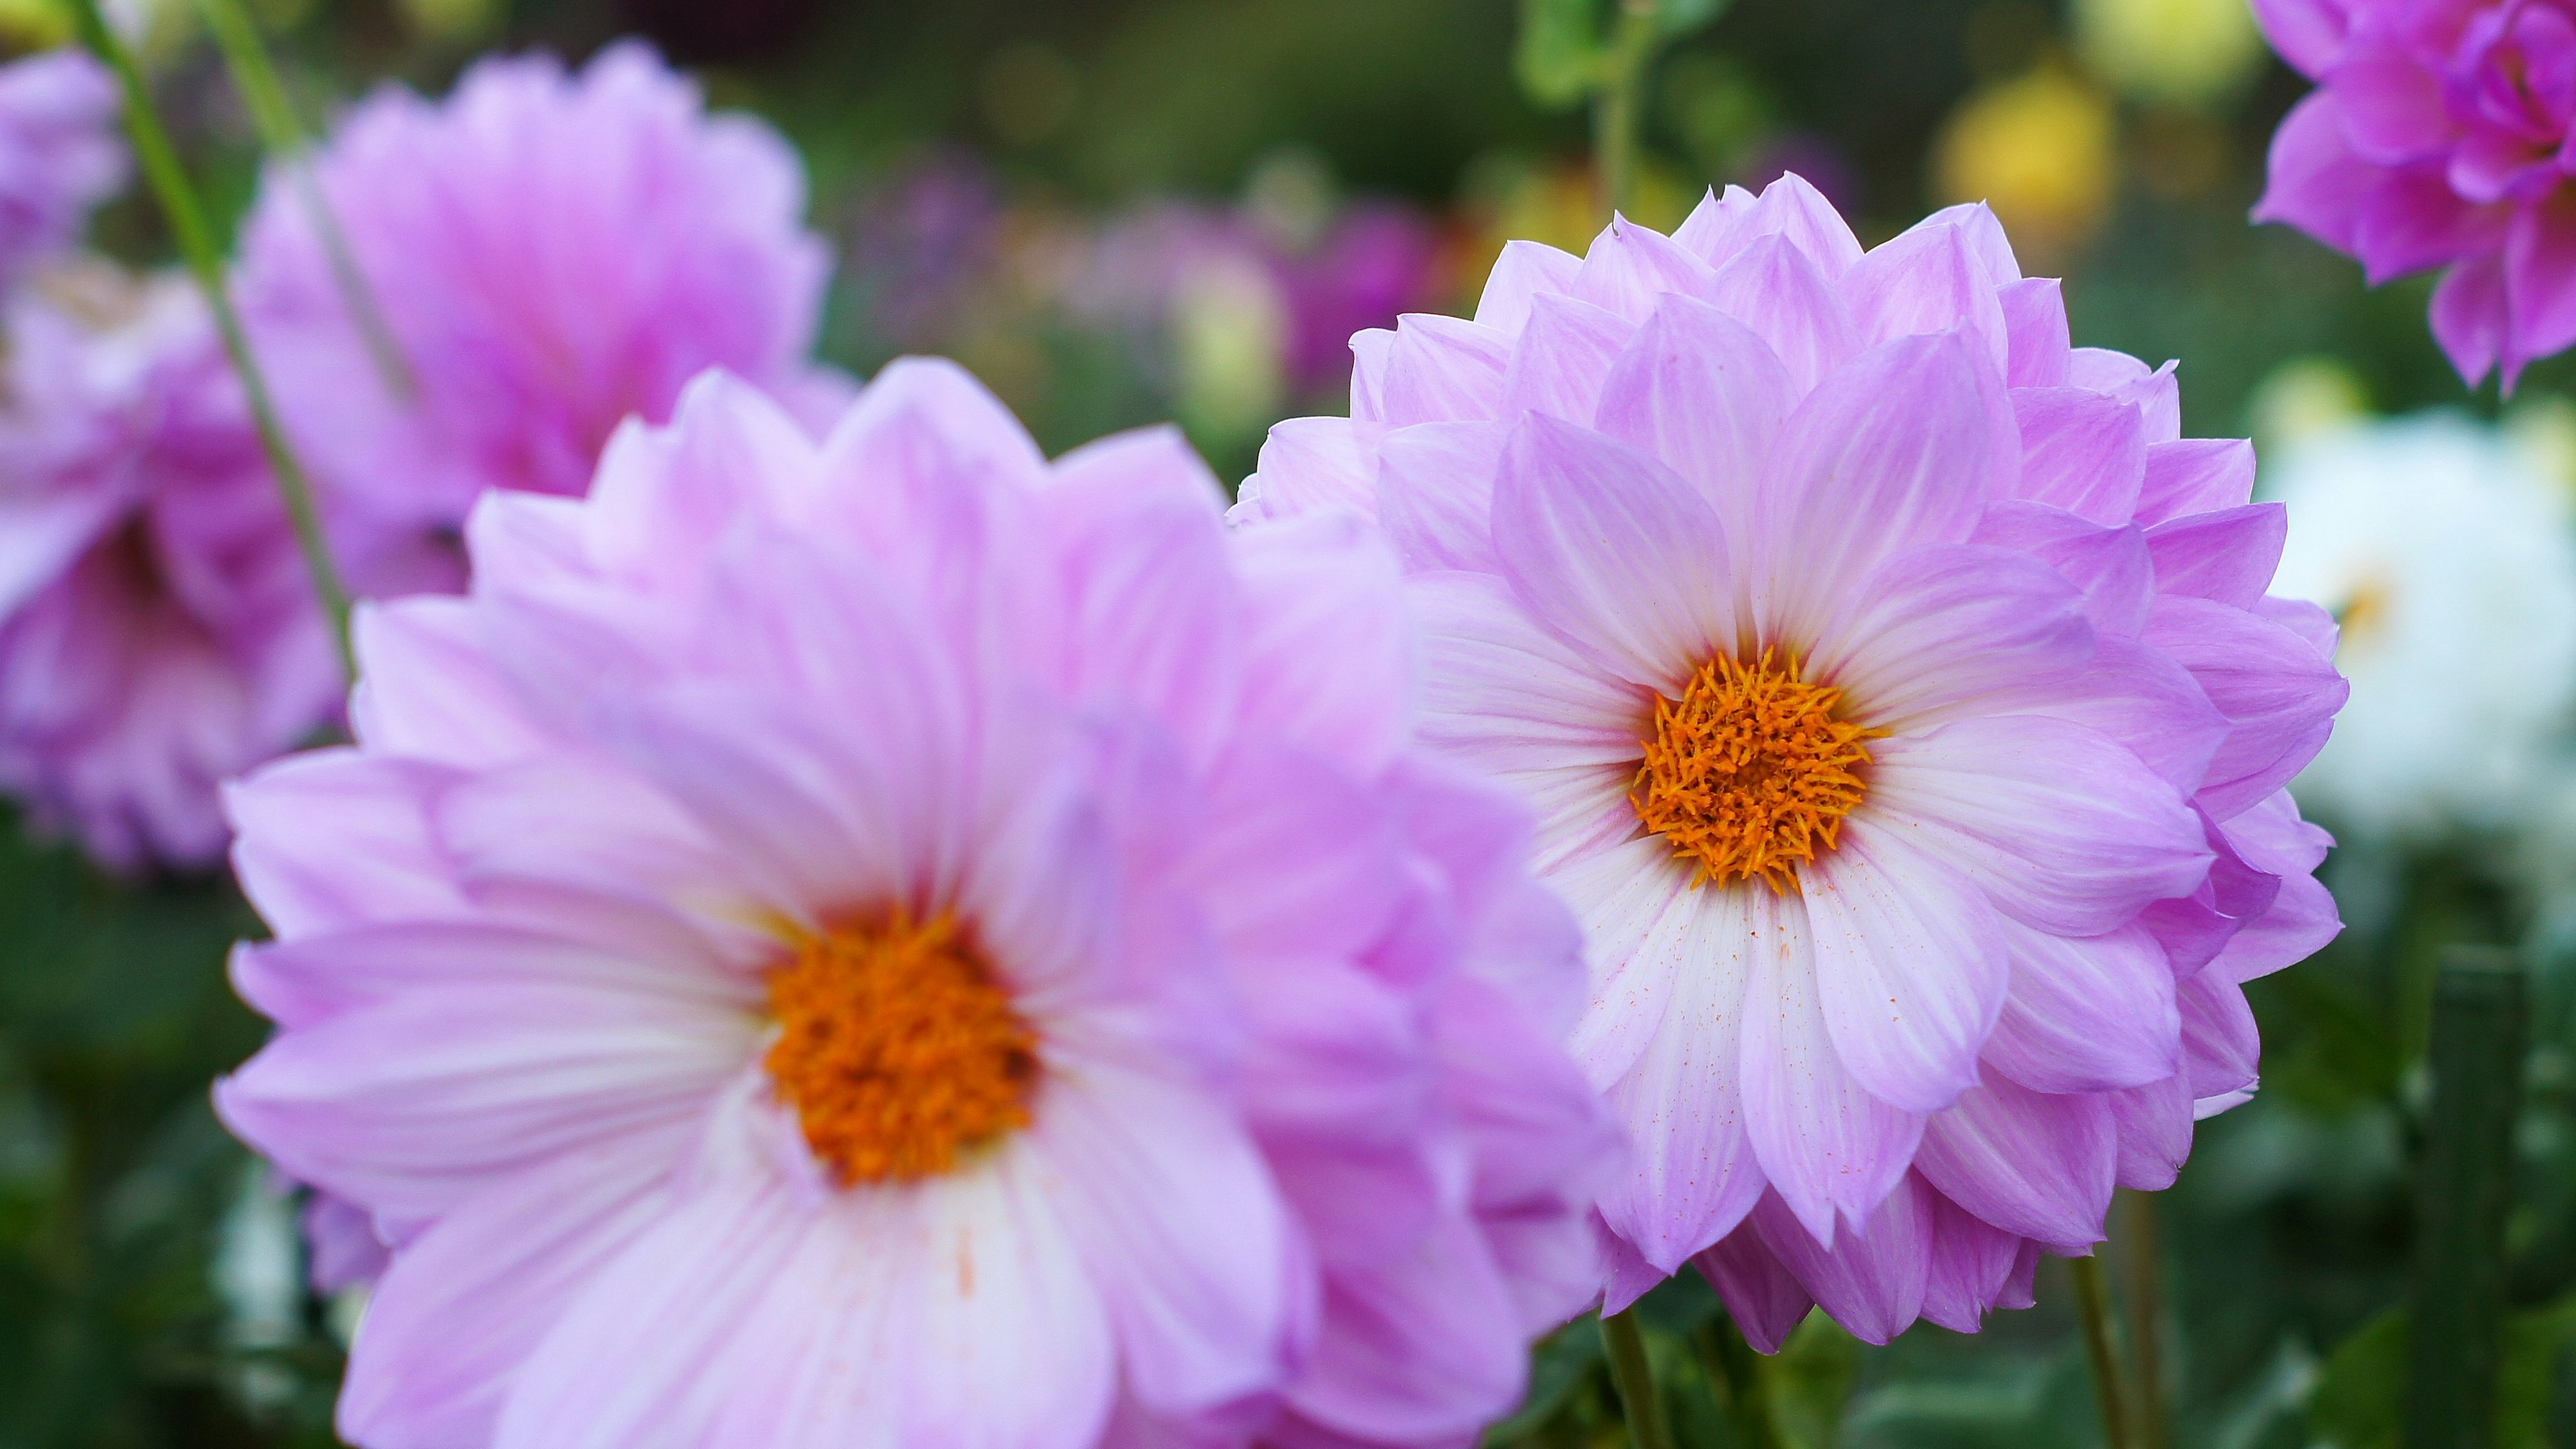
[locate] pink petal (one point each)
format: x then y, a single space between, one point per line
1828 1146
1777 290
1938 628
1561 359
1799 212
1972 1263
1436 494
410 1105
2316 181
427 690
1873 1276
2036 331
2155 1132
1762 1296
1609 547
1928 279
1328 663
449 1324
2081 451
2228 555
2086 1014
2470 317
2033 1164
2063 828
1524 270
1172 1211
1502 692
334 838
1443 370
1702 392
1309 463
1693 1176
2309 34
1902 447
2195 475
1910 966
1630 268
1639 915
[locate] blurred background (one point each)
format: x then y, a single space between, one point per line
1133 210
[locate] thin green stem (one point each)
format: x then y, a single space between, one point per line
1647 1427
273 112
1735 1368
2142 1291
1618 108
169 182
2093 1306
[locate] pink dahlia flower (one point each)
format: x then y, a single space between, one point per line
551 253
1905 717
59 153
901 943
157 631
2442 133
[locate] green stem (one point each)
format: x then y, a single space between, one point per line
1737 1369
2093 1306
169 182
1617 109
1647 1428
2141 1261
2464 1194
237 34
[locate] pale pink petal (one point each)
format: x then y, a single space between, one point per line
1435 494
1442 369
1828 1146
1910 965
2063 828
1523 271
1500 691
1872 1277
1613 550
1561 358
1777 291
2031 1163
2086 1014
1765 1300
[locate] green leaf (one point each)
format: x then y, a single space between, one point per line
2360 1403
1559 56
2361 1400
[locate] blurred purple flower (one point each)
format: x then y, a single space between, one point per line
921 242
1906 719
157 631
2442 133
553 253
1373 264
59 154
902 942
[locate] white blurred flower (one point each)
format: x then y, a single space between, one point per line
2444 547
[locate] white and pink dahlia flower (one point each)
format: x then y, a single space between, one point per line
550 253
895 942
1906 719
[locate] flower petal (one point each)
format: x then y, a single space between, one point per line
1609 547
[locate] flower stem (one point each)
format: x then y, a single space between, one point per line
1635 1381
2093 1306
2464 1194
1618 107
2141 1259
237 34
169 182
1733 1365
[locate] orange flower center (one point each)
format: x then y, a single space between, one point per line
1750 772
898 1048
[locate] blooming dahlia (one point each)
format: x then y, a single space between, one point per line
2442 133
59 153
898 943
1905 717
550 253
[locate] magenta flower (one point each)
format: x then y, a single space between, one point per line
157 631
1905 717
551 253
59 154
903 943
2442 133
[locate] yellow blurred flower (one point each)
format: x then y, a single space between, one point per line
2174 52
2039 149
2304 399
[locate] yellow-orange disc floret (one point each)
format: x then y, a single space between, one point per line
1750 773
898 1048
